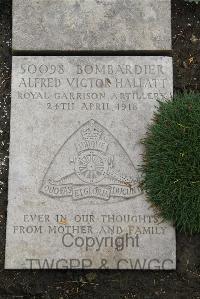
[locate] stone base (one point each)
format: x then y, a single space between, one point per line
78 25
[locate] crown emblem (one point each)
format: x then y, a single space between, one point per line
91 131
91 138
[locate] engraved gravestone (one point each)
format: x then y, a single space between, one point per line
91 25
74 195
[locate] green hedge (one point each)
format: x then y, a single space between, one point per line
171 163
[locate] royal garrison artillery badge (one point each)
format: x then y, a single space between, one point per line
91 165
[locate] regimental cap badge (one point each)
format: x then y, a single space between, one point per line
91 165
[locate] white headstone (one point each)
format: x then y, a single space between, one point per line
74 197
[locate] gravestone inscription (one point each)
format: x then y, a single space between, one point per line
92 25
74 182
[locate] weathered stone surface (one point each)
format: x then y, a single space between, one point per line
76 126
92 25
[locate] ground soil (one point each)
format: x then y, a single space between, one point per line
182 283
